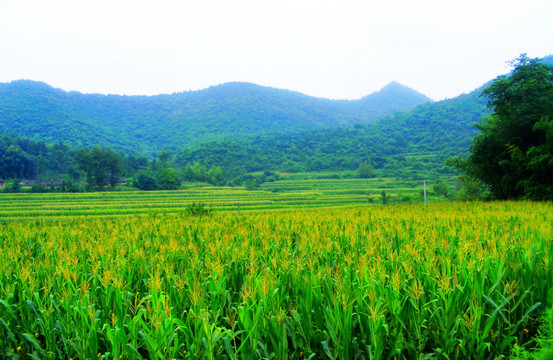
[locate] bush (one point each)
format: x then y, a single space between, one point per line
440 189
168 179
12 187
251 184
198 209
74 187
39 188
145 181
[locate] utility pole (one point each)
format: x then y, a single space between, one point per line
424 192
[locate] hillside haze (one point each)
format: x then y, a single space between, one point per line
148 124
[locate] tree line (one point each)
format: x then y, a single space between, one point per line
61 167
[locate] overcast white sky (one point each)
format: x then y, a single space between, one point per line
339 49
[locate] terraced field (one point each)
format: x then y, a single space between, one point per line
373 186
283 194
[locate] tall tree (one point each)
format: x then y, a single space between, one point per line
164 156
168 179
513 152
14 163
103 166
365 170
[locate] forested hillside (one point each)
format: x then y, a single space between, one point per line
235 133
149 124
406 145
399 145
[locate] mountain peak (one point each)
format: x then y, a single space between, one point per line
153 123
395 87
393 84
408 98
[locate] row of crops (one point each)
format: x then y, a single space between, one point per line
446 280
284 194
355 186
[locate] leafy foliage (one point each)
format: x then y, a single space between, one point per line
24 158
144 181
198 209
146 125
102 166
365 170
167 179
403 145
513 154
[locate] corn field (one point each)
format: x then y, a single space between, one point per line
449 280
277 195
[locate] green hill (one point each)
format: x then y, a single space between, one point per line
406 145
399 146
148 124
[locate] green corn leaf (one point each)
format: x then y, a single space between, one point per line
35 356
498 308
228 347
34 342
9 334
326 349
134 351
527 315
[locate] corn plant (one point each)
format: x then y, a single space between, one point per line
450 280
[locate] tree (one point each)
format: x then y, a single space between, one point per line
13 187
164 156
145 182
384 198
365 170
14 163
215 176
440 189
540 163
102 166
251 184
513 152
167 179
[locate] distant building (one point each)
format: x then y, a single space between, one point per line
57 182
118 180
27 182
31 182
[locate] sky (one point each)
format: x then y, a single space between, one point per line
339 49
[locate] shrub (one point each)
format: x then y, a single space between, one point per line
198 209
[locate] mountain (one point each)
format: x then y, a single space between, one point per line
548 60
394 93
401 145
148 124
